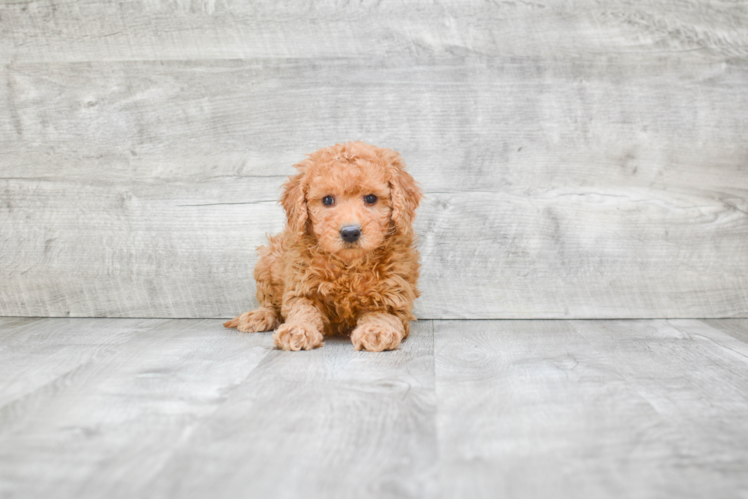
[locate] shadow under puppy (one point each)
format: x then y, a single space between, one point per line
346 262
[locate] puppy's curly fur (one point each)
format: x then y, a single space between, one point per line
312 282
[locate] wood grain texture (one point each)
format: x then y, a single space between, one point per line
580 160
138 250
120 396
738 328
590 409
191 409
38 355
332 422
62 30
468 409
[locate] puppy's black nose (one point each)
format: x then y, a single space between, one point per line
350 233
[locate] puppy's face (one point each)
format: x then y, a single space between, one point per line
351 197
349 208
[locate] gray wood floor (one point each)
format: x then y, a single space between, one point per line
148 407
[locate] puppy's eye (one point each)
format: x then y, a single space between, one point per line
328 201
370 199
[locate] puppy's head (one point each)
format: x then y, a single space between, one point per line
351 197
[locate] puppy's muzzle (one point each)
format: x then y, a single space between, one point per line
350 234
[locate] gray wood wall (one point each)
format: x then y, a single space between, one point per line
581 159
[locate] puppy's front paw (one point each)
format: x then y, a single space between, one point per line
297 336
263 319
376 337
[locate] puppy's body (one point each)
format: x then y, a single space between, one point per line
383 281
343 266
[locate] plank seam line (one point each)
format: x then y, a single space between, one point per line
707 338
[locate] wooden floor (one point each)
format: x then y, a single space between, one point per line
149 407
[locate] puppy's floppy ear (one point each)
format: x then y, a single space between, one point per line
406 195
294 199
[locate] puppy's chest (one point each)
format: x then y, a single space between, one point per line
348 292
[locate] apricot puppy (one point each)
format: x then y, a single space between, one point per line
346 262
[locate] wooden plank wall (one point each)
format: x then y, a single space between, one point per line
581 159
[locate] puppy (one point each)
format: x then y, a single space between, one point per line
346 262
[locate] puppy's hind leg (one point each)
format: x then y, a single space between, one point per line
262 319
266 317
